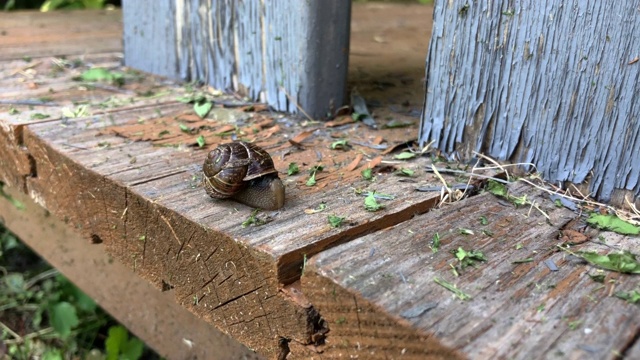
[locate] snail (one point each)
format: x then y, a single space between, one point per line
244 172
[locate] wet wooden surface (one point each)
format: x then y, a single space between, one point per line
121 165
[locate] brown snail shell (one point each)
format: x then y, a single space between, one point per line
244 172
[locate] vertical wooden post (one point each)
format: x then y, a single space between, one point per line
550 82
287 53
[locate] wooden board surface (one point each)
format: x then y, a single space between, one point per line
127 177
519 306
59 33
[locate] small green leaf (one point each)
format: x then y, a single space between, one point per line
367 174
574 324
465 231
63 318
38 116
435 243
397 124
293 169
613 223
405 172
631 297
184 128
468 258
624 262
599 278
312 179
497 188
451 287
101 74
335 221
202 108
340 144
163 133
13 111
405 156
80 111
501 190
371 204
483 220
357 116
200 140
253 220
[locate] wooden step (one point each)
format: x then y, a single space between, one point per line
382 294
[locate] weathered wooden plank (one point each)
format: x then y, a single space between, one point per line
153 216
541 82
517 310
175 334
124 185
252 47
47 89
34 34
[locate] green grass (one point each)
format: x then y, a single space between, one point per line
44 316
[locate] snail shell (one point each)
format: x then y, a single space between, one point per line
244 172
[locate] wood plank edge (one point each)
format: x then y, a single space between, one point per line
291 265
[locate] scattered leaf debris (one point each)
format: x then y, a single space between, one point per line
435 243
371 204
623 262
367 174
335 221
312 179
451 287
340 145
613 223
632 297
321 207
293 169
405 156
468 258
253 220
405 172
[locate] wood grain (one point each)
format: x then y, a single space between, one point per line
517 310
145 311
153 216
33 34
528 98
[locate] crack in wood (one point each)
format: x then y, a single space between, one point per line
235 298
156 178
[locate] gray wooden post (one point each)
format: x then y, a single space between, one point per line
551 82
286 53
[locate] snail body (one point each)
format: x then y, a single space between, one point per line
244 172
